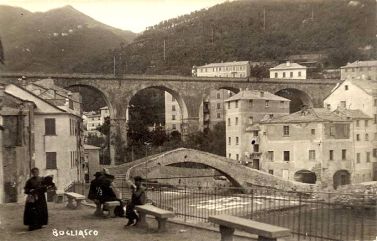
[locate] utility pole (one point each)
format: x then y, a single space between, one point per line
114 64
264 19
164 50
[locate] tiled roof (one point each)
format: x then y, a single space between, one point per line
255 95
353 114
361 64
369 86
288 66
308 115
225 64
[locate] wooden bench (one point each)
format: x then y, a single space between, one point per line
265 232
161 216
72 196
110 207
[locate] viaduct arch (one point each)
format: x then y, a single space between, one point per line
190 92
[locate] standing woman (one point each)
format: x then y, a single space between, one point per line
35 214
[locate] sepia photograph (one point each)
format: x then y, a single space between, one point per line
188 120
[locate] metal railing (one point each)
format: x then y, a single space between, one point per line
310 216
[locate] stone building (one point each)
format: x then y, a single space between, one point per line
240 69
173 116
359 70
288 70
56 135
92 161
243 113
313 145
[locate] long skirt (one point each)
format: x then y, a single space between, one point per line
36 213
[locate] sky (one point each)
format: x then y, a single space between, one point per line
134 15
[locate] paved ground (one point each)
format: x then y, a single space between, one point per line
62 219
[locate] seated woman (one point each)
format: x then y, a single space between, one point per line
108 194
138 198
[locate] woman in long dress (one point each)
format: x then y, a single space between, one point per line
36 214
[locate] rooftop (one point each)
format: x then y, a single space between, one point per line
361 64
353 114
256 95
288 65
369 86
225 64
308 115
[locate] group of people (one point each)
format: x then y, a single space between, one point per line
101 190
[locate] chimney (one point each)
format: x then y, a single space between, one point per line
288 63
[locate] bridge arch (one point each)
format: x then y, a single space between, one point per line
298 98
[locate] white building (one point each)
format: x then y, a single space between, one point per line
240 69
288 70
173 116
56 135
359 70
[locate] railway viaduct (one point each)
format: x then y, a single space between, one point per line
188 91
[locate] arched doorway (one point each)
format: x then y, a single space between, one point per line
305 176
298 98
341 177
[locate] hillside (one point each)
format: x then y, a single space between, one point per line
56 40
345 30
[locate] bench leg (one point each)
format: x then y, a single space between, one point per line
261 238
98 211
226 233
161 224
142 220
70 203
78 203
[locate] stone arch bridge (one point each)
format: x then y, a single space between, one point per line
238 174
188 91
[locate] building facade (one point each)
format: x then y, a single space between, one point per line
313 145
239 69
243 113
173 116
359 70
357 99
288 70
56 136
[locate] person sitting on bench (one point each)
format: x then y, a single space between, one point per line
138 198
94 189
108 194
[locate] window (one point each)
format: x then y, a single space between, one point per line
375 152
255 133
286 156
218 115
50 127
312 131
270 155
173 107
375 102
366 136
299 73
375 118
281 104
228 105
271 116
236 103
173 117
174 126
236 121
267 103
250 120
357 137
51 160
346 87
283 74
332 130
312 155
368 156
328 106
228 121
366 123
229 140
218 96
331 155
285 130
237 157
357 157
291 74
218 106
237 140
172 99
251 103
276 75
344 154
270 171
357 123
375 136
343 104
229 155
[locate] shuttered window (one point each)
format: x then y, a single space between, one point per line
51 160
50 129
